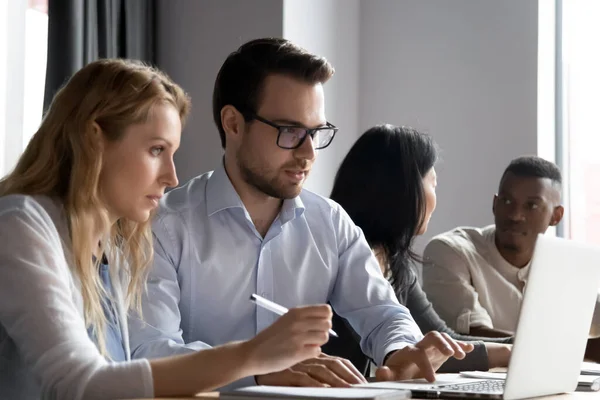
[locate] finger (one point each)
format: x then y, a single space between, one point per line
299 340
321 373
312 338
316 324
459 353
424 364
316 311
298 378
302 325
384 374
353 370
340 368
437 341
466 346
309 352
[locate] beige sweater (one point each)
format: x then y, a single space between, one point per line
471 284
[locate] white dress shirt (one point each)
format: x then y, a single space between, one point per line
209 259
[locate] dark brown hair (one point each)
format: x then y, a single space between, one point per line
242 75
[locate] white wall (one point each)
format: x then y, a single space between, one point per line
464 71
330 28
194 38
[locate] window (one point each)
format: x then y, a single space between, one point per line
578 112
22 75
36 50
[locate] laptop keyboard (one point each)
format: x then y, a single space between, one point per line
489 386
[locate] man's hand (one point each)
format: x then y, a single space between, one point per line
488 332
498 354
422 359
320 372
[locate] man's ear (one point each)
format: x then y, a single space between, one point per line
233 123
557 215
494 204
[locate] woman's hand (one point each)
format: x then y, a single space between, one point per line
296 336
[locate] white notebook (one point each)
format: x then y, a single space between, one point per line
588 368
286 392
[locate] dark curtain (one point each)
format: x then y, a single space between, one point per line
82 31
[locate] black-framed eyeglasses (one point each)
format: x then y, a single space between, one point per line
291 137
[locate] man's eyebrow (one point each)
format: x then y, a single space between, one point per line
291 122
533 197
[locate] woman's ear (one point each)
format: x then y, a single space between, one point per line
98 135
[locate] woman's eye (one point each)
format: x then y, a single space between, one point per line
155 151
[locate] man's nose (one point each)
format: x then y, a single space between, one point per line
516 214
307 149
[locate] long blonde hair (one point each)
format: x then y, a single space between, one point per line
64 160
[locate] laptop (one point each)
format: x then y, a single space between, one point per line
552 330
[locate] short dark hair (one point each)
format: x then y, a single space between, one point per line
534 167
380 185
241 78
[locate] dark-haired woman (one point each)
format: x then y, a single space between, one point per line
387 184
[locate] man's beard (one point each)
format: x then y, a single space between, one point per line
269 187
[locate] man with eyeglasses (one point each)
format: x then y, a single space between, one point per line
249 227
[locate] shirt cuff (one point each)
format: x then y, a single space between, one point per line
468 318
147 379
476 360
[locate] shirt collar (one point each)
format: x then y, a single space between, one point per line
291 208
221 195
523 273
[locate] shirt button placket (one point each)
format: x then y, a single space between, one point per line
264 288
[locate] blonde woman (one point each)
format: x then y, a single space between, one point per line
75 245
